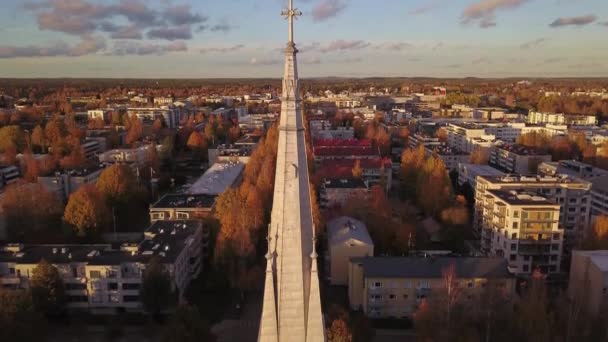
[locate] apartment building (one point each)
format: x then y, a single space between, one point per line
561 119
91 148
572 168
163 101
450 157
217 179
517 159
103 114
523 228
336 192
467 173
346 238
588 285
376 171
106 279
169 114
423 139
461 135
182 207
67 182
572 195
137 156
9 175
393 287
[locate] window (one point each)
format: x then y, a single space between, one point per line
375 297
513 257
556 236
407 284
130 299
181 215
377 284
513 236
112 286
95 274
470 284
553 257
405 296
112 274
78 299
515 225
555 247
547 215
526 267
74 271
11 270
392 296
424 285
516 214
526 258
604 291
130 286
513 246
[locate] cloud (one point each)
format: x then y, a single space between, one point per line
327 9
127 32
484 11
394 46
481 60
181 15
221 27
553 60
84 17
605 23
171 33
343 45
222 49
123 48
87 45
574 21
307 47
534 43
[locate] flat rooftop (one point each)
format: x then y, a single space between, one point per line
219 177
164 239
345 183
185 201
514 197
433 267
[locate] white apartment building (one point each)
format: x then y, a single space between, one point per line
461 136
523 228
103 114
517 159
572 195
137 156
63 184
170 115
103 279
423 139
561 119
467 173
163 101
572 168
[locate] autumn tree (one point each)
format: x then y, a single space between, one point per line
39 138
155 289
32 213
11 137
187 325
87 212
412 161
157 125
19 320
434 186
196 143
136 130
597 238
117 184
339 331
75 159
357 170
48 291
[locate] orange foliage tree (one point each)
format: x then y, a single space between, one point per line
87 212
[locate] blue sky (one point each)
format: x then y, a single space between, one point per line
243 38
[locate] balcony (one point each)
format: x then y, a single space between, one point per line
532 241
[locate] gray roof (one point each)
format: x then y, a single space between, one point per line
416 267
344 228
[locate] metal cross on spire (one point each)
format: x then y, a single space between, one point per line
291 13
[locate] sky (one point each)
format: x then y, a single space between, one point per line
348 38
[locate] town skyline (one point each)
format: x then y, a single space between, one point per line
133 39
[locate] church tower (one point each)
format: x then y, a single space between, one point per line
292 304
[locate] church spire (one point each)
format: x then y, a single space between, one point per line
291 305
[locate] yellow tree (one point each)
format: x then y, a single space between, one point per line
87 212
117 184
339 331
357 170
